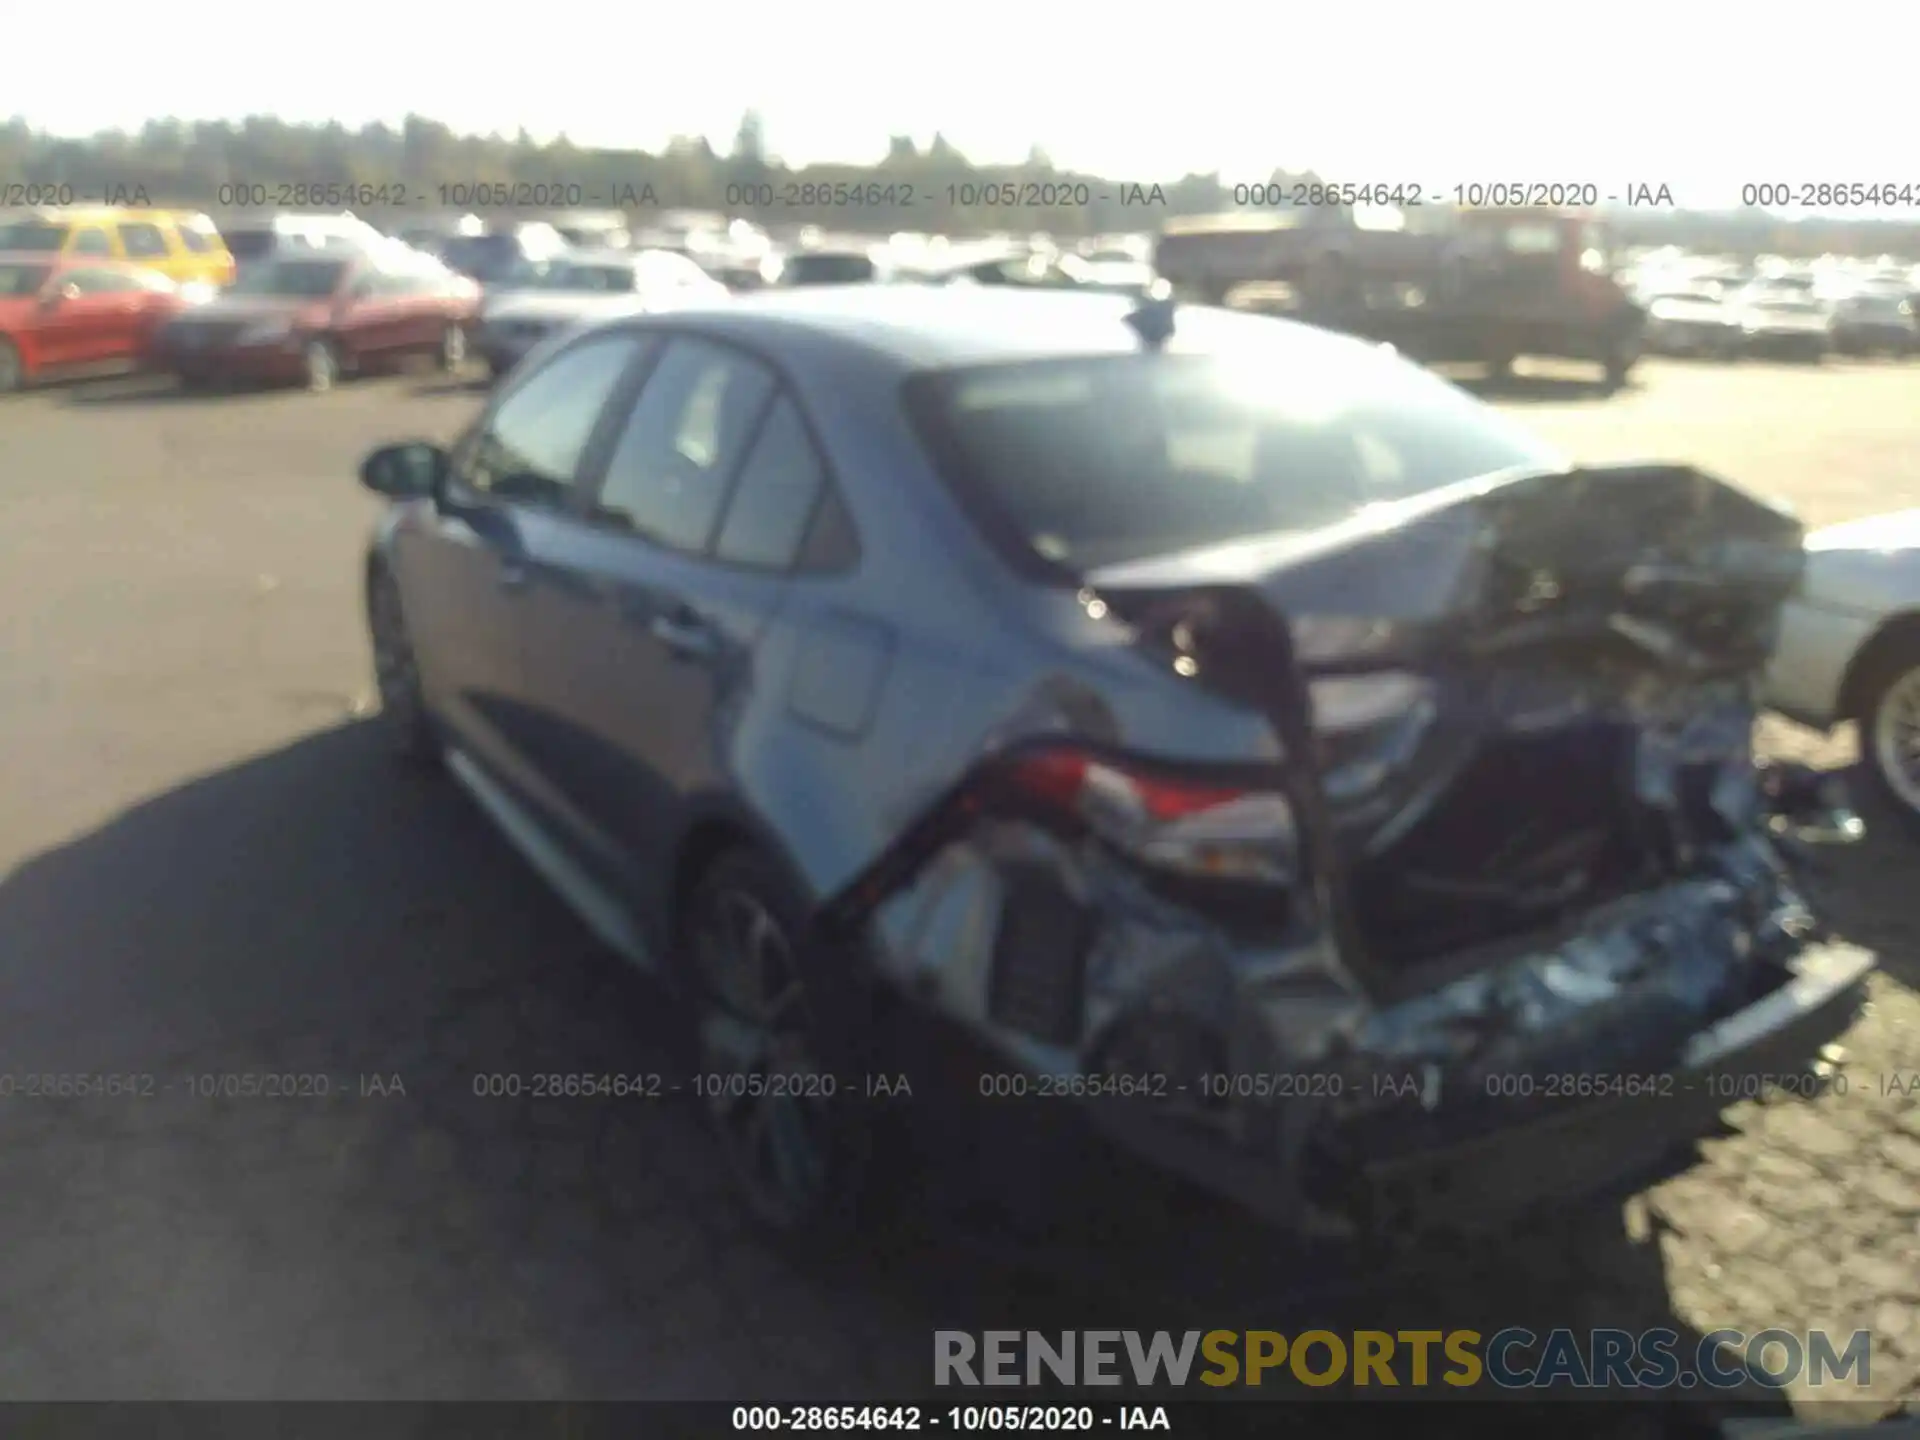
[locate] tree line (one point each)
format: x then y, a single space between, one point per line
422 166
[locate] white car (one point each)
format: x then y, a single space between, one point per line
1849 649
583 287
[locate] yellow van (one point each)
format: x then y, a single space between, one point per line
182 245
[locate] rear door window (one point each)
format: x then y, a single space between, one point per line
667 477
774 497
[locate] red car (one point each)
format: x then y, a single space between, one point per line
313 319
60 315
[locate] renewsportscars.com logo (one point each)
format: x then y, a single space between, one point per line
1511 1359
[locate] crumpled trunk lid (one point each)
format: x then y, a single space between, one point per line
1524 696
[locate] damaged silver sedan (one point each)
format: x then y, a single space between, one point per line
1221 729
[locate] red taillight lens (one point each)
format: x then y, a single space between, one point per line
1067 776
1192 827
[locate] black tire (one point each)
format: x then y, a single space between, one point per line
13 373
1625 345
1500 369
411 733
760 1000
1887 716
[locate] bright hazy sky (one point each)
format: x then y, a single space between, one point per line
1700 97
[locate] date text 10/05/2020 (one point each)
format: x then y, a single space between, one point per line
203 1085
1208 1087
709 1085
1473 195
1423 1087
962 1418
624 195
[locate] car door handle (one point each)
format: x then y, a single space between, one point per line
685 634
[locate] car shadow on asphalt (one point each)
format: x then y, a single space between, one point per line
322 910
1541 389
453 385
1857 889
149 390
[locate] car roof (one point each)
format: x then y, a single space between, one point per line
926 327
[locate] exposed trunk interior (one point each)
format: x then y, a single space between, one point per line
1533 827
1579 766
1583 645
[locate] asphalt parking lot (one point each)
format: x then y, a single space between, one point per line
208 868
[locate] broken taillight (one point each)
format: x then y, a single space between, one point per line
1197 828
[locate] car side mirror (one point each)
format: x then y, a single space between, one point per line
414 470
59 296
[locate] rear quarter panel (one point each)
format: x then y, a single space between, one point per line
876 690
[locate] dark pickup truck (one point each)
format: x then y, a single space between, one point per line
1486 288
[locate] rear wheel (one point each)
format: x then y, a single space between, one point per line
13 373
776 1033
1889 730
322 365
1624 347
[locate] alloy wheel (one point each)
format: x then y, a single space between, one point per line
1895 744
453 348
761 1079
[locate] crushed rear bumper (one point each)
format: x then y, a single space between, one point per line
1393 1183
1395 1175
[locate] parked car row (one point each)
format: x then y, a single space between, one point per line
506 286
1725 310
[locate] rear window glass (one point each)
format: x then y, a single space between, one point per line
250 244
828 269
1098 461
484 257
294 279
564 276
35 236
23 279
